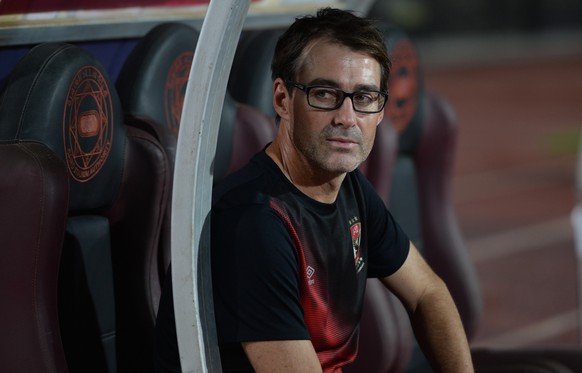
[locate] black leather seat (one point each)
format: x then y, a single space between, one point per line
421 194
250 77
34 195
60 96
151 86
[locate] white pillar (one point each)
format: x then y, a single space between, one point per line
192 191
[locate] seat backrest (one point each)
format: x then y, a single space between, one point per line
118 188
250 78
421 192
34 195
152 84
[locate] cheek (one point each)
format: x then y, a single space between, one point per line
307 125
297 121
368 136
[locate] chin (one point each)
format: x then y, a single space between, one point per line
342 167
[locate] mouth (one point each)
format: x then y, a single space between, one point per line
342 142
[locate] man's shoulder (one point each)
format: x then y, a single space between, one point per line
247 185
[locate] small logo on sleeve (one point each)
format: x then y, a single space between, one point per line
310 271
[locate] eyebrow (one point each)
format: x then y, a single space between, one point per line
334 84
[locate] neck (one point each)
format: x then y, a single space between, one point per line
318 184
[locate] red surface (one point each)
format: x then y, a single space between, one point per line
515 171
34 6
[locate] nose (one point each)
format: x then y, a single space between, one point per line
345 114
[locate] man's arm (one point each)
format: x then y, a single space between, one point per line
282 356
433 314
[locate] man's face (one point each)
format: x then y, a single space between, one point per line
339 140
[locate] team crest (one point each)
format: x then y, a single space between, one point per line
175 90
88 124
403 85
356 233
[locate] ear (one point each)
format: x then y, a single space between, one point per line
281 98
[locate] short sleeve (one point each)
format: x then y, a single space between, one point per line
388 244
255 283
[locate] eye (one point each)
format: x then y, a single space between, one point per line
365 98
324 94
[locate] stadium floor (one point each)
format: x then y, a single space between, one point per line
514 191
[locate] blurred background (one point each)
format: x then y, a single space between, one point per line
513 73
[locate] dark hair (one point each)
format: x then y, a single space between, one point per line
343 27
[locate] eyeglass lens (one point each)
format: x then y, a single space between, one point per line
332 98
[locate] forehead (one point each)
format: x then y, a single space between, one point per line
334 62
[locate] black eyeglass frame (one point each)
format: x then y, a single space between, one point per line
306 88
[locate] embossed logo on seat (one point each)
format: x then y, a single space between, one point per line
176 82
403 85
87 124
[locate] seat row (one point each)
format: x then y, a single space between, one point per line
85 191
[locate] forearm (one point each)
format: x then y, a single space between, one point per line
433 314
439 331
282 356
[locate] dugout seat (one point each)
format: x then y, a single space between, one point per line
250 78
152 85
34 195
59 97
421 195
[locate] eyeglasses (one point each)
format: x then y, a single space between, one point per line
329 98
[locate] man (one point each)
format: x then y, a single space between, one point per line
296 232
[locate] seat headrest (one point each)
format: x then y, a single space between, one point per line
152 82
405 107
59 95
250 79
